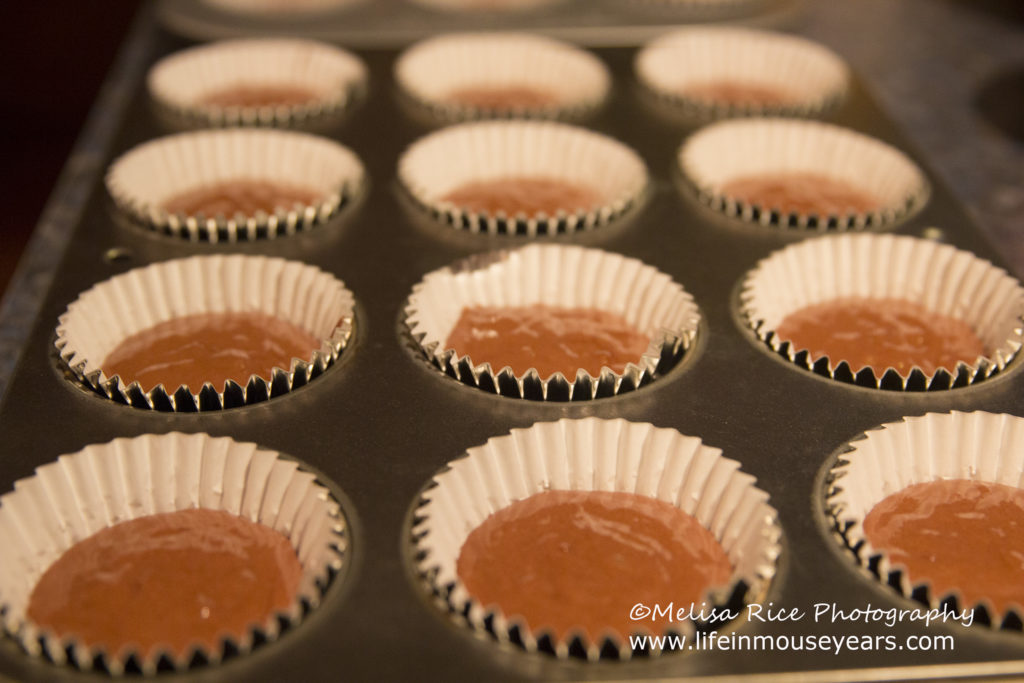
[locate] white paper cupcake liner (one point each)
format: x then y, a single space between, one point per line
727 150
978 446
940 278
434 68
146 176
592 455
179 82
105 315
562 276
815 76
441 162
102 485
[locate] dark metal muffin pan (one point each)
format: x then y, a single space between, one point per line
382 421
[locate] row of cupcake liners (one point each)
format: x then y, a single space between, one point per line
439 74
437 399
434 522
942 279
146 177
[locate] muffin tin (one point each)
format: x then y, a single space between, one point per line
382 421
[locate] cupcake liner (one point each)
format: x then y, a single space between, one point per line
437 164
978 446
179 82
102 317
441 162
592 455
815 77
145 177
733 149
941 278
433 69
562 276
102 485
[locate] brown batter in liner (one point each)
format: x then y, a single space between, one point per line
260 95
881 334
734 92
246 196
209 347
168 581
548 338
958 535
801 192
503 98
579 560
525 195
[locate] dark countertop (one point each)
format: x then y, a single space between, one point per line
924 60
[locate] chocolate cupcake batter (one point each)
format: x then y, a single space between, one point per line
881 334
567 560
260 95
739 93
503 98
956 535
547 338
209 347
802 193
524 195
167 581
246 196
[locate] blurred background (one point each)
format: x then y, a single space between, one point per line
57 55
59 52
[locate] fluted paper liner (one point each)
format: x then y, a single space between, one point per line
978 446
724 151
70 499
142 179
179 81
434 68
938 277
105 315
814 75
441 162
562 276
592 455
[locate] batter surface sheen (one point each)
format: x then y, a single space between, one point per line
566 560
801 193
503 98
548 338
524 195
259 95
956 534
209 347
882 334
738 93
246 196
168 580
